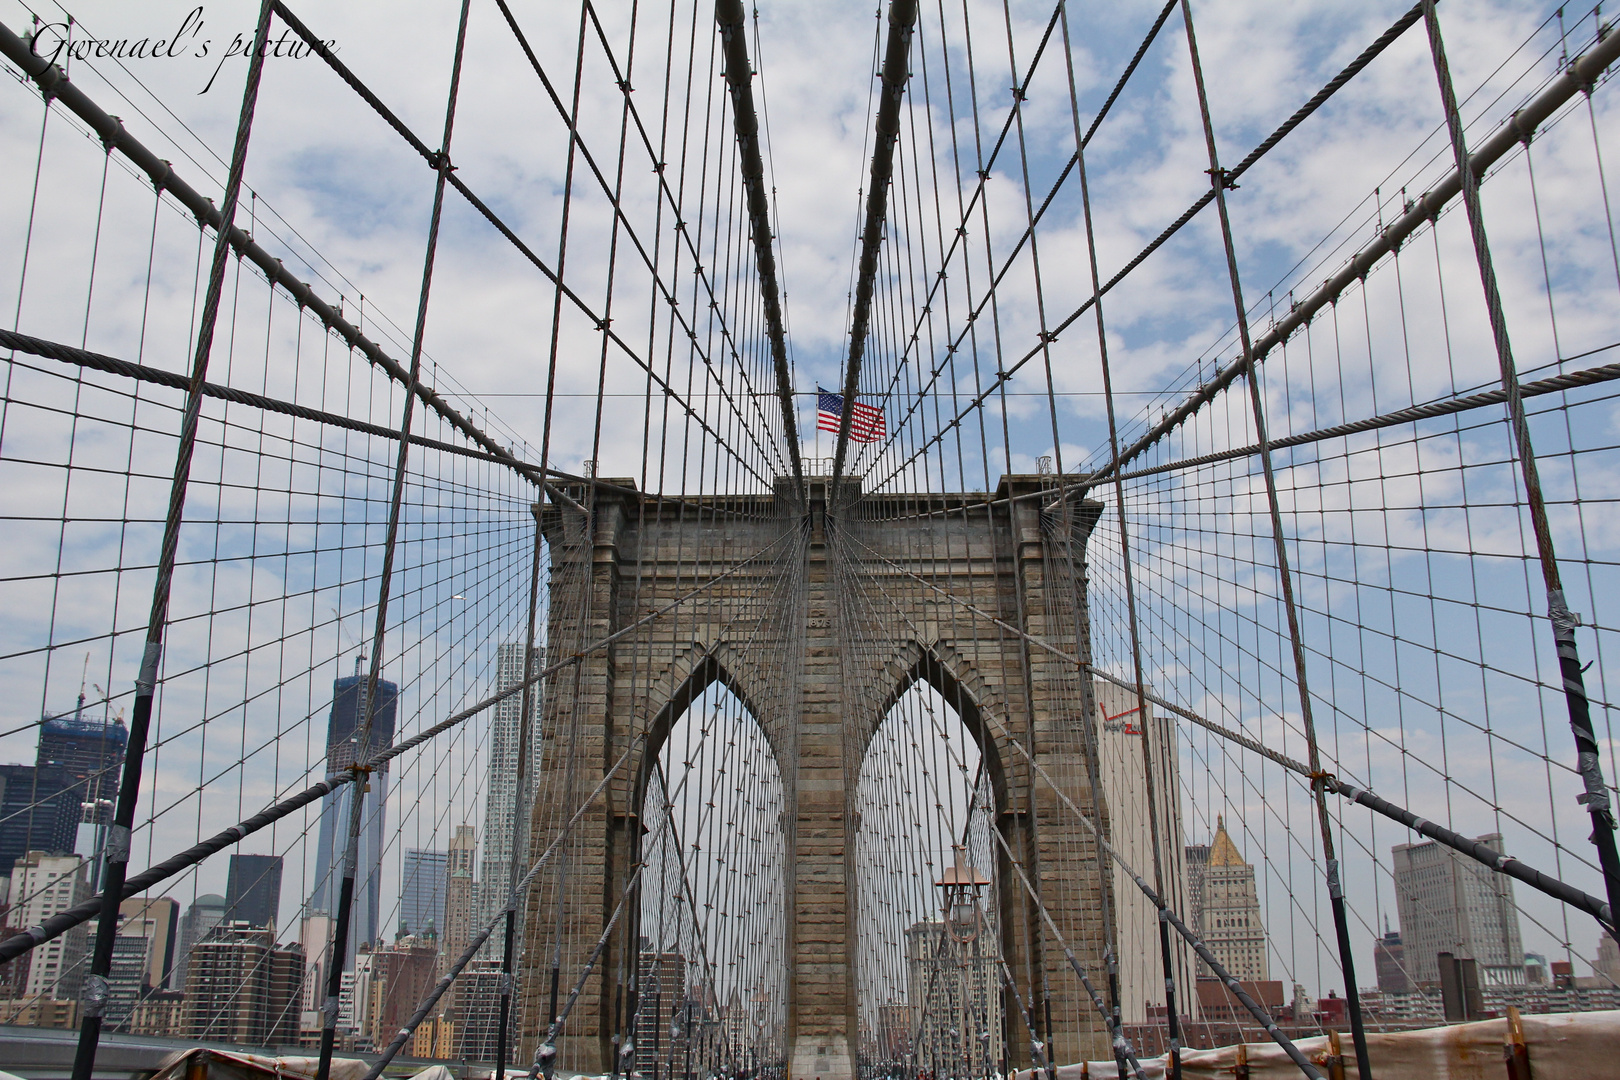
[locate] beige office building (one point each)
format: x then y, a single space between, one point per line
1124 790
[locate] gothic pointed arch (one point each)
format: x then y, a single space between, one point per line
954 677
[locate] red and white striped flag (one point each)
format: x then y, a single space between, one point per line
865 422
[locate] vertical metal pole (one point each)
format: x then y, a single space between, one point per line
519 802
1319 779
1172 1019
129 787
357 795
1588 763
1092 743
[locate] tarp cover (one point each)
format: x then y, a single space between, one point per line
1563 1046
230 1065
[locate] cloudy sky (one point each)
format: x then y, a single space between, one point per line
345 203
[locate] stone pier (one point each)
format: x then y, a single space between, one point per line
781 636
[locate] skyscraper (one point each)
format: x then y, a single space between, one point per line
501 828
401 976
1124 795
242 987
1229 913
39 811
459 901
1197 863
661 983
955 995
157 918
253 891
421 890
1389 960
92 753
315 935
342 749
1452 904
41 886
205 913
126 979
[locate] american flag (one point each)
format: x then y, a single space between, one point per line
865 425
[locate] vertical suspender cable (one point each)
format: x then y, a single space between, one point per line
117 850
357 801
1089 722
1319 779
1172 1019
1588 763
739 74
896 72
520 802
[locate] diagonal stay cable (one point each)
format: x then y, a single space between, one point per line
663 183
432 158
58 924
960 234
68 354
1580 75
1427 411
895 74
1166 914
54 84
1503 864
739 75
397 1043
1316 101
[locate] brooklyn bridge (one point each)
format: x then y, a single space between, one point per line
808 541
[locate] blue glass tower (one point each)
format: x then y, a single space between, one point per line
348 710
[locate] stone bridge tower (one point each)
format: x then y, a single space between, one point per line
818 672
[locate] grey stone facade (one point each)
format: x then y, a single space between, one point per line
818 639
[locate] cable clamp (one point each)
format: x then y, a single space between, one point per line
109 141
94 995
146 680
1564 620
1219 176
1523 133
118 844
1596 796
49 80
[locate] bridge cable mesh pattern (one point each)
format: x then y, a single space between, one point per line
1317 571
